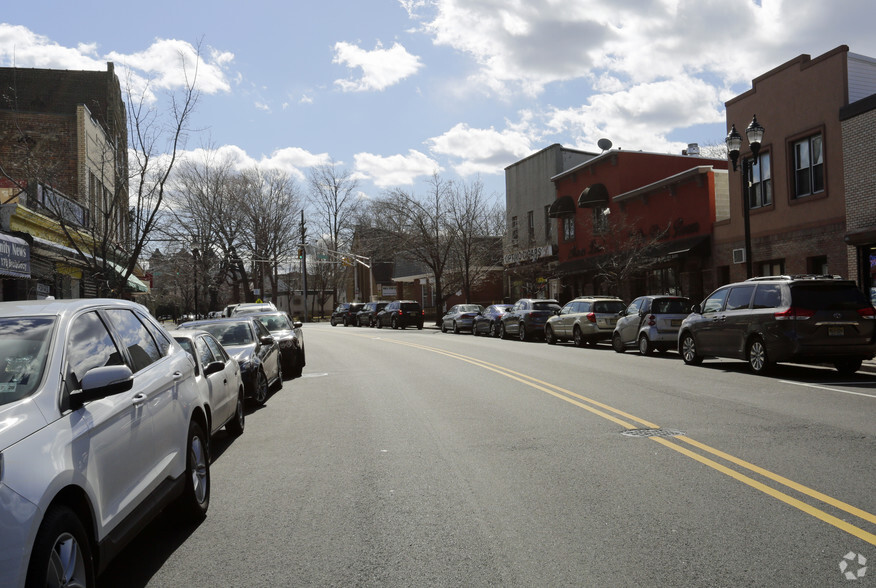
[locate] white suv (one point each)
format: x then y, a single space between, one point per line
101 427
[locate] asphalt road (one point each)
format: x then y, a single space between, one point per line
416 458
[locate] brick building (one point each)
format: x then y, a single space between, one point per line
649 212
63 144
858 121
530 258
798 187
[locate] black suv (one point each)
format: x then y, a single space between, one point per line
800 319
345 313
366 316
400 314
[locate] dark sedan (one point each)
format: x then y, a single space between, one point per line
527 318
487 322
460 317
252 345
289 337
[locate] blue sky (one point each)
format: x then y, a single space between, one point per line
393 90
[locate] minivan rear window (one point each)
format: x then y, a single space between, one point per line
410 306
833 297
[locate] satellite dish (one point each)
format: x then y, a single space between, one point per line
604 144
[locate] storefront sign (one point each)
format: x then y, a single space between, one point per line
530 255
14 257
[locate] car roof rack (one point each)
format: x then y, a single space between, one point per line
797 277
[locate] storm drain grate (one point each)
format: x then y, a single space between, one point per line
651 433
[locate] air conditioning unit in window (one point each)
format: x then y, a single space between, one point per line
739 256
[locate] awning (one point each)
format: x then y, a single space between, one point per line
865 236
593 196
134 283
562 206
14 257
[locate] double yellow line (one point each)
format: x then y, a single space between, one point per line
629 421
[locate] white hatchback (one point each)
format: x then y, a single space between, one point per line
101 427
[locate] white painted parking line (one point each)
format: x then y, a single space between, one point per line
827 388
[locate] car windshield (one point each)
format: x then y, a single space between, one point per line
230 333
545 306
671 306
275 322
24 347
608 306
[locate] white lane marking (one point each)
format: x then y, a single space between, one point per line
827 388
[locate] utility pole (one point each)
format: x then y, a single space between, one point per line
304 263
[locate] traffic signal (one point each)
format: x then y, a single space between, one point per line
301 253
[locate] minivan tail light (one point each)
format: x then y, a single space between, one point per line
400 312
591 316
868 312
794 313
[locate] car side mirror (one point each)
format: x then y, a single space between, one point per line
213 367
101 382
696 309
266 340
297 324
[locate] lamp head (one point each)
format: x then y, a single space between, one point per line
734 144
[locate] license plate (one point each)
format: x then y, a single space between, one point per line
675 323
836 331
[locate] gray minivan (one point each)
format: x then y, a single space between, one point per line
800 319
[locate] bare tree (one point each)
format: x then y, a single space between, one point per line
271 203
420 228
626 251
335 202
109 217
477 246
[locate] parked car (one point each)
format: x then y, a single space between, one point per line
487 322
584 320
345 313
460 317
650 323
290 339
366 317
400 314
101 428
217 376
253 307
800 319
251 344
527 318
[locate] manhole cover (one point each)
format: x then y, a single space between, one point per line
651 433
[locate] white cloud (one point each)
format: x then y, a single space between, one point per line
486 151
641 117
395 170
166 64
381 68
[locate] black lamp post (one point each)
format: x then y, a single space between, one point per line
754 132
196 255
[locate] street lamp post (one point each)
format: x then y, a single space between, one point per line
754 133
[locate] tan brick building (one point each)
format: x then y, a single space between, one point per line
798 207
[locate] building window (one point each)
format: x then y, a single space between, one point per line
548 224
775 267
515 231
600 219
817 265
808 166
663 281
569 228
760 192
530 221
